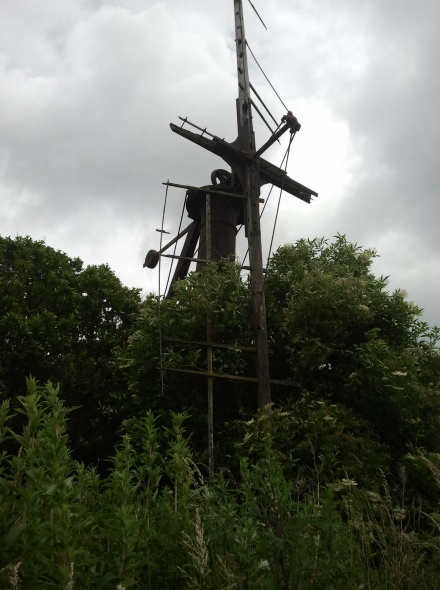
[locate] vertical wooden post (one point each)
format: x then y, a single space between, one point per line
251 186
209 350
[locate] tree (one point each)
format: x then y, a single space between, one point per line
362 367
336 484
342 337
62 322
168 335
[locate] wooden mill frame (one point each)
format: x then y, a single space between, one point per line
252 171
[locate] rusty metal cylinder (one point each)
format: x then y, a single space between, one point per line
226 213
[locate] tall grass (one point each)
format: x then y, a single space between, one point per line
154 522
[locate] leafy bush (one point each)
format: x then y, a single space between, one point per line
62 322
155 523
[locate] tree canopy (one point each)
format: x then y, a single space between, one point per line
335 484
62 322
362 367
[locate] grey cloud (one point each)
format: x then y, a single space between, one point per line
89 89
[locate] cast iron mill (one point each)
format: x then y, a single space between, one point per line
233 199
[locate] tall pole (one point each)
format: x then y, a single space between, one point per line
209 349
251 186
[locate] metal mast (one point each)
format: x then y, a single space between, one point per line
231 200
251 183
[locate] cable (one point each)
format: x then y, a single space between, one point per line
175 245
270 83
262 118
268 196
159 298
261 100
256 12
279 199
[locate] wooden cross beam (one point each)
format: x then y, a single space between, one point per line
250 172
237 159
253 172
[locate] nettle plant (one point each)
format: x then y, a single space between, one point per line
155 522
335 334
335 485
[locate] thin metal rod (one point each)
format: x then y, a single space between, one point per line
269 82
162 386
204 190
175 245
214 375
204 260
209 348
174 240
262 116
275 137
250 179
279 201
261 100
185 258
256 12
185 120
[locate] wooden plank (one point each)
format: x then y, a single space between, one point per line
226 376
213 344
233 156
204 189
215 375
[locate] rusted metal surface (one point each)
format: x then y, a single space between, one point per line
237 158
208 249
233 199
189 248
152 258
226 215
250 180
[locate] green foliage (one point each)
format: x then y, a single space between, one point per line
319 443
346 339
153 522
336 485
304 543
334 331
385 528
181 325
41 509
62 322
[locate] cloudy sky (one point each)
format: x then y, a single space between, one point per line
88 89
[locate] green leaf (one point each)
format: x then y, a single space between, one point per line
13 533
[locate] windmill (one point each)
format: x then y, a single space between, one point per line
233 199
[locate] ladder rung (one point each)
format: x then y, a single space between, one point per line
214 344
216 375
211 191
201 260
230 377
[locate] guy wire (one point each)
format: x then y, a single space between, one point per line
262 71
175 245
279 198
256 12
159 299
268 197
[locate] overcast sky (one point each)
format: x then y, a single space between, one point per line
88 89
